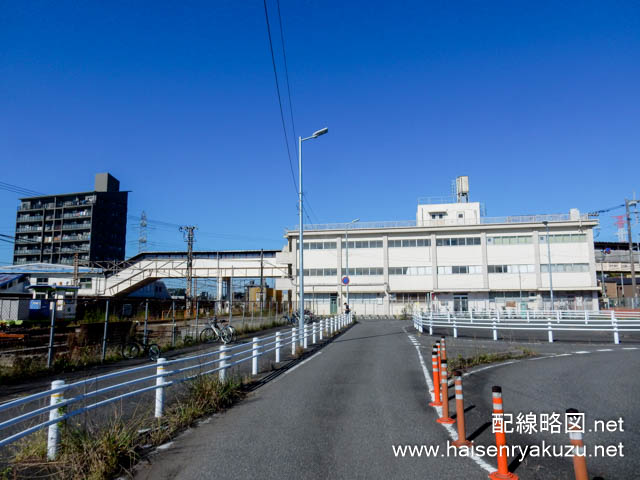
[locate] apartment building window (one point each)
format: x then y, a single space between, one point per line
419 242
411 271
438 215
511 240
565 267
85 282
565 238
460 270
457 242
42 280
511 269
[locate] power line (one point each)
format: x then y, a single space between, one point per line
275 75
19 190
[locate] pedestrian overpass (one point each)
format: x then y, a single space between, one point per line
148 267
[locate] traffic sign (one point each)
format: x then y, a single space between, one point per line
345 280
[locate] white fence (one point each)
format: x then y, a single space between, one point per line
534 320
162 374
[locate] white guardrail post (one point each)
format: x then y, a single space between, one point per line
495 330
293 340
254 359
53 436
278 345
160 391
222 373
455 329
614 325
550 329
305 336
431 322
313 333
321 328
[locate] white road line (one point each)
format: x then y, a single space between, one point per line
581 352
563 355
630 348
605 350
449 428
298 365
540 358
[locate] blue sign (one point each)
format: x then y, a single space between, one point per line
34 305
345 280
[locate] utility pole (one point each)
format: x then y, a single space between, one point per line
261 279
187 231
634 291
76 280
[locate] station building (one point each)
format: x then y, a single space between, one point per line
451 258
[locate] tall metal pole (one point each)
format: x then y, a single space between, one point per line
634 291
546 224
300 246
346 234
104 334
146 321
52 306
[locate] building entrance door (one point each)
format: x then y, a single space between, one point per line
461 303
334 303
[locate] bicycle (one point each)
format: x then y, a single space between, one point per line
133 348
213 332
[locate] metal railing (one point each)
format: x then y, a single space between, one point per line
560 217
167 373
532 320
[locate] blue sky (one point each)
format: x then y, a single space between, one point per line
537 102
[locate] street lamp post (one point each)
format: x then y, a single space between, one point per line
346 234
301 236
546 224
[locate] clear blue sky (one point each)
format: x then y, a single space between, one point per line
538 102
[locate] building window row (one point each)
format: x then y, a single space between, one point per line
319 245
511 268
366 244
457 242
513 240
410 271
460 270
565 238
420 242
320 272
364 271
565 267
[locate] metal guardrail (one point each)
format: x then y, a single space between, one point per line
166 375
534 320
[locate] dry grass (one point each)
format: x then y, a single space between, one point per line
100 452
462 363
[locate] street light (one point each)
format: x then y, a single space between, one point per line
316 134
346 234
546 224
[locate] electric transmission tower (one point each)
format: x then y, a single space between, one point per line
142 237
187 231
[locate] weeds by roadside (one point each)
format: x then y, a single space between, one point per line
461 362
98 452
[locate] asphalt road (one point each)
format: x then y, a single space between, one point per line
598 379
335 416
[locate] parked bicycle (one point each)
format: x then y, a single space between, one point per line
133 348
214 332
293 318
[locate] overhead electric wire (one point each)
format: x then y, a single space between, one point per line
275 74
20 190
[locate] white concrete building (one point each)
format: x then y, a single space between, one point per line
450 258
